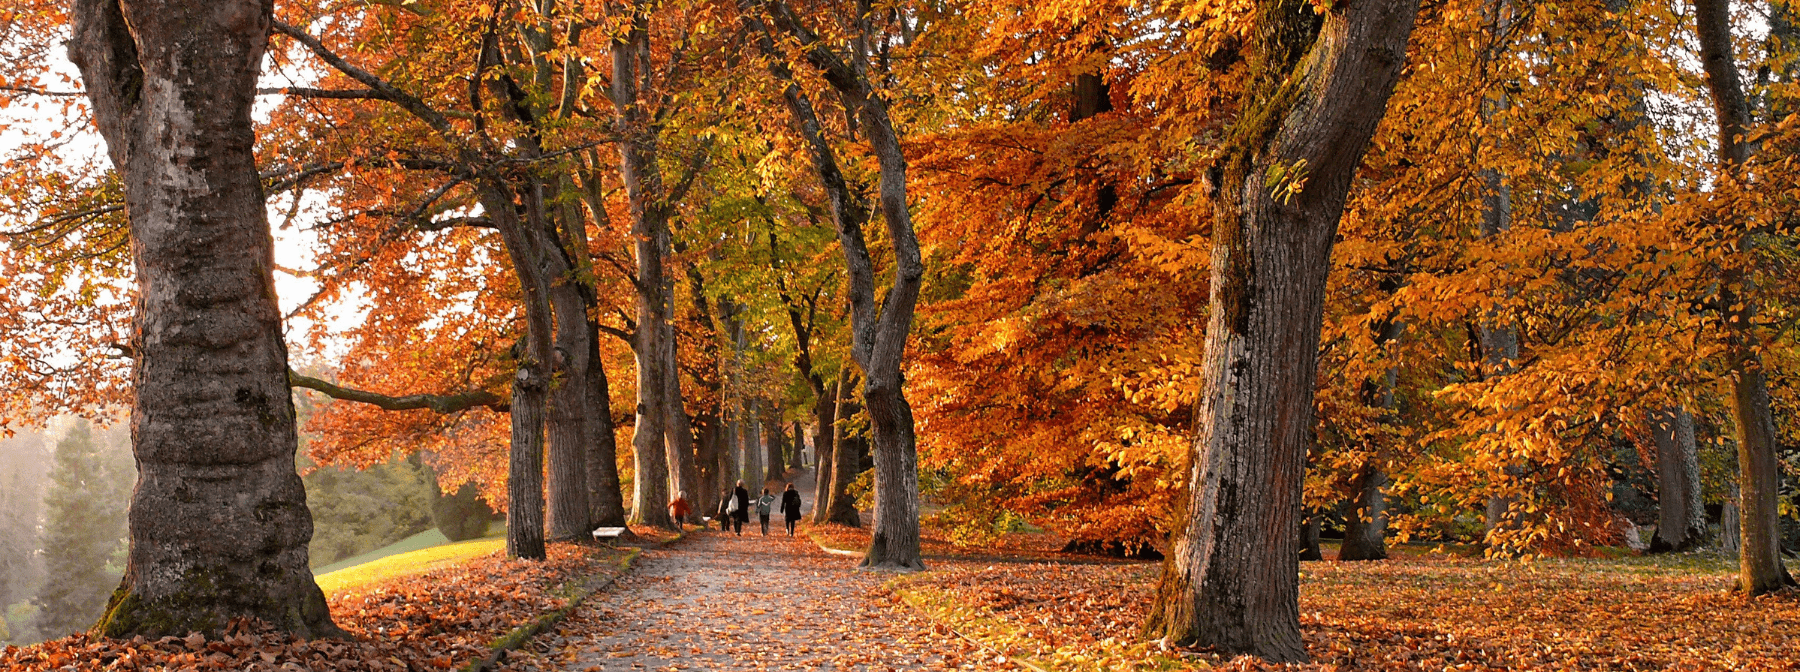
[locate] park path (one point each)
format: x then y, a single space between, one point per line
717 601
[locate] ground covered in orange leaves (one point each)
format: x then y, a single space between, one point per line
444 619
1418 611
720 601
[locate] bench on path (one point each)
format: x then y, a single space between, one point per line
608 533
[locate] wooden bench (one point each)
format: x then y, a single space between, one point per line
608 533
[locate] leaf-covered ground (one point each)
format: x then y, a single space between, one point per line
717 601
1418 611
443 619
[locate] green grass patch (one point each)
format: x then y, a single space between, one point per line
408 563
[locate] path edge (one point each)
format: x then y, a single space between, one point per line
579 590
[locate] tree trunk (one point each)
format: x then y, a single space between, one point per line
879 331
706 454
1309 540
569 515
650 233
1731 538
773 441
1759 558
1365 517
218 520
751 428
1317 92
797 459
684 471
605 495
1681 514
824 453
846 461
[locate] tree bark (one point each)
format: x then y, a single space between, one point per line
684 471
570 513
1309 539
650 232
1317 92
218 521
1759 558
824 452
846 460
797 459
1681 514
773 442
605 495
706 454
750 428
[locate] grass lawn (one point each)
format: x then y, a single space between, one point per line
404 563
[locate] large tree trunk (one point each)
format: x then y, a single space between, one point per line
1681 514
706 454
1318 91
1759 558
218 520
650 232
569 515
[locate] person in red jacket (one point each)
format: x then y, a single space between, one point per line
679 510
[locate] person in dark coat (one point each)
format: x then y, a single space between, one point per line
742 515
724 513
790 507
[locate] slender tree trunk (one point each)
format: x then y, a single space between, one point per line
797 459
218 521
1759 560
1309 539
824 452
1317 92
650 231
1365 517
846 460
684 471
752 447
1731 537
570 515
706 453
1681 514
773 442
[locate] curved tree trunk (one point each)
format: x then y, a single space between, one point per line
1318 91
1759 558
218 520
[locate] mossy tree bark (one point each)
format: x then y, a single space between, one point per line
218 521
1681 515
1319 87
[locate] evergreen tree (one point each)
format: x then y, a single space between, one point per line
84 526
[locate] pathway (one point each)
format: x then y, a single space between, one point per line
717 601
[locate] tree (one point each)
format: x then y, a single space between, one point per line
1319 86
879 331
1681 515
219 524
84 523
1759 473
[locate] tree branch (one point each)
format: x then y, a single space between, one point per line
437 403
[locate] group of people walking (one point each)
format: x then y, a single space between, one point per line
735 505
